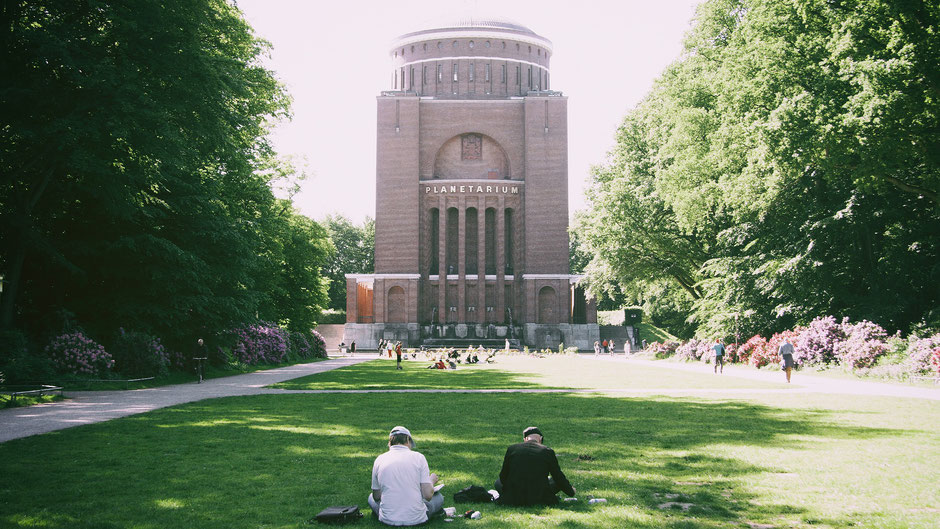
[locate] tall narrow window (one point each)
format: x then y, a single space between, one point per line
455 70
424 75
489 245
440 72
471 241
471 72
503 76
507 238
486 75
453 230
411 80
530 77
394 81
434 224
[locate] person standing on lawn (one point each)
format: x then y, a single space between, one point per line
402 485
719 349
530 473
398 355
786 355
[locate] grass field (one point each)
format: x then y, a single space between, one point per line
757 460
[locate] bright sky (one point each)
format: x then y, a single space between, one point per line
334 59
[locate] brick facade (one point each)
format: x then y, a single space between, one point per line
471 219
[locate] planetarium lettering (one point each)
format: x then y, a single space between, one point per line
510 190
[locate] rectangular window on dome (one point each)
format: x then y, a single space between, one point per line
503 77
530 77
424 75
486 75
455 72
440 72
471 72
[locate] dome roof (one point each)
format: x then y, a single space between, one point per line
474 24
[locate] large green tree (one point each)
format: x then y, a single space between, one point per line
794 149
132 192
355 254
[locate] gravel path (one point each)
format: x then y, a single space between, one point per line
86 407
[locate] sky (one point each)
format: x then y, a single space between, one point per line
333 57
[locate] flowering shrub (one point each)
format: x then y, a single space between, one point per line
260 343
662 349
754 346
75 353
139 355
318 344
920 351
773 345
693 350
816 342
864 343
935 361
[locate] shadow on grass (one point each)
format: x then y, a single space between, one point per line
276 460
414 375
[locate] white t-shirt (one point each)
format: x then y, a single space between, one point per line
399 473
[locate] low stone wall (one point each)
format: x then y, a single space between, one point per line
367 335
581 336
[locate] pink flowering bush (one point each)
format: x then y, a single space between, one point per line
935 361
693 350
919 353
662 349
260 343
773 346
815 344
756 345
864 344
74 353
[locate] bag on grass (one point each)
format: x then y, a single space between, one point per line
472 494
339 514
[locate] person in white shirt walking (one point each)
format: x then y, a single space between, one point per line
402 485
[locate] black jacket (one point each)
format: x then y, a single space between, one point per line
524 476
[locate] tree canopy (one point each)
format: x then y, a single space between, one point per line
134 187
355 254
785 167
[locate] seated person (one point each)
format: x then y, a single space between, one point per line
402 485
530 473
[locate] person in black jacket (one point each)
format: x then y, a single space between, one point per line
530 473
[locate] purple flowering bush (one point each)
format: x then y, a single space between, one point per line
693 350
318 343
74 353
863 345
816 343
260 343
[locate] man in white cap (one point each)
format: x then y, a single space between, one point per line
402 485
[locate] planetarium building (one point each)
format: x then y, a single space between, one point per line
471 241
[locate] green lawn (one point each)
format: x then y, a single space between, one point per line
771 459
518 371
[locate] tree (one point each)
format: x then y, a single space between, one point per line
133 192
783 168
355 254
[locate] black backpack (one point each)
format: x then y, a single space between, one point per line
339 514
472 494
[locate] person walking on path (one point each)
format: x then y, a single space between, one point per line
786 354
402 485
597 348
398 355
613 348
719 349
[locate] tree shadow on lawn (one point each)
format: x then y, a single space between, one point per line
278 459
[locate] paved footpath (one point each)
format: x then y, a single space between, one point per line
86 407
